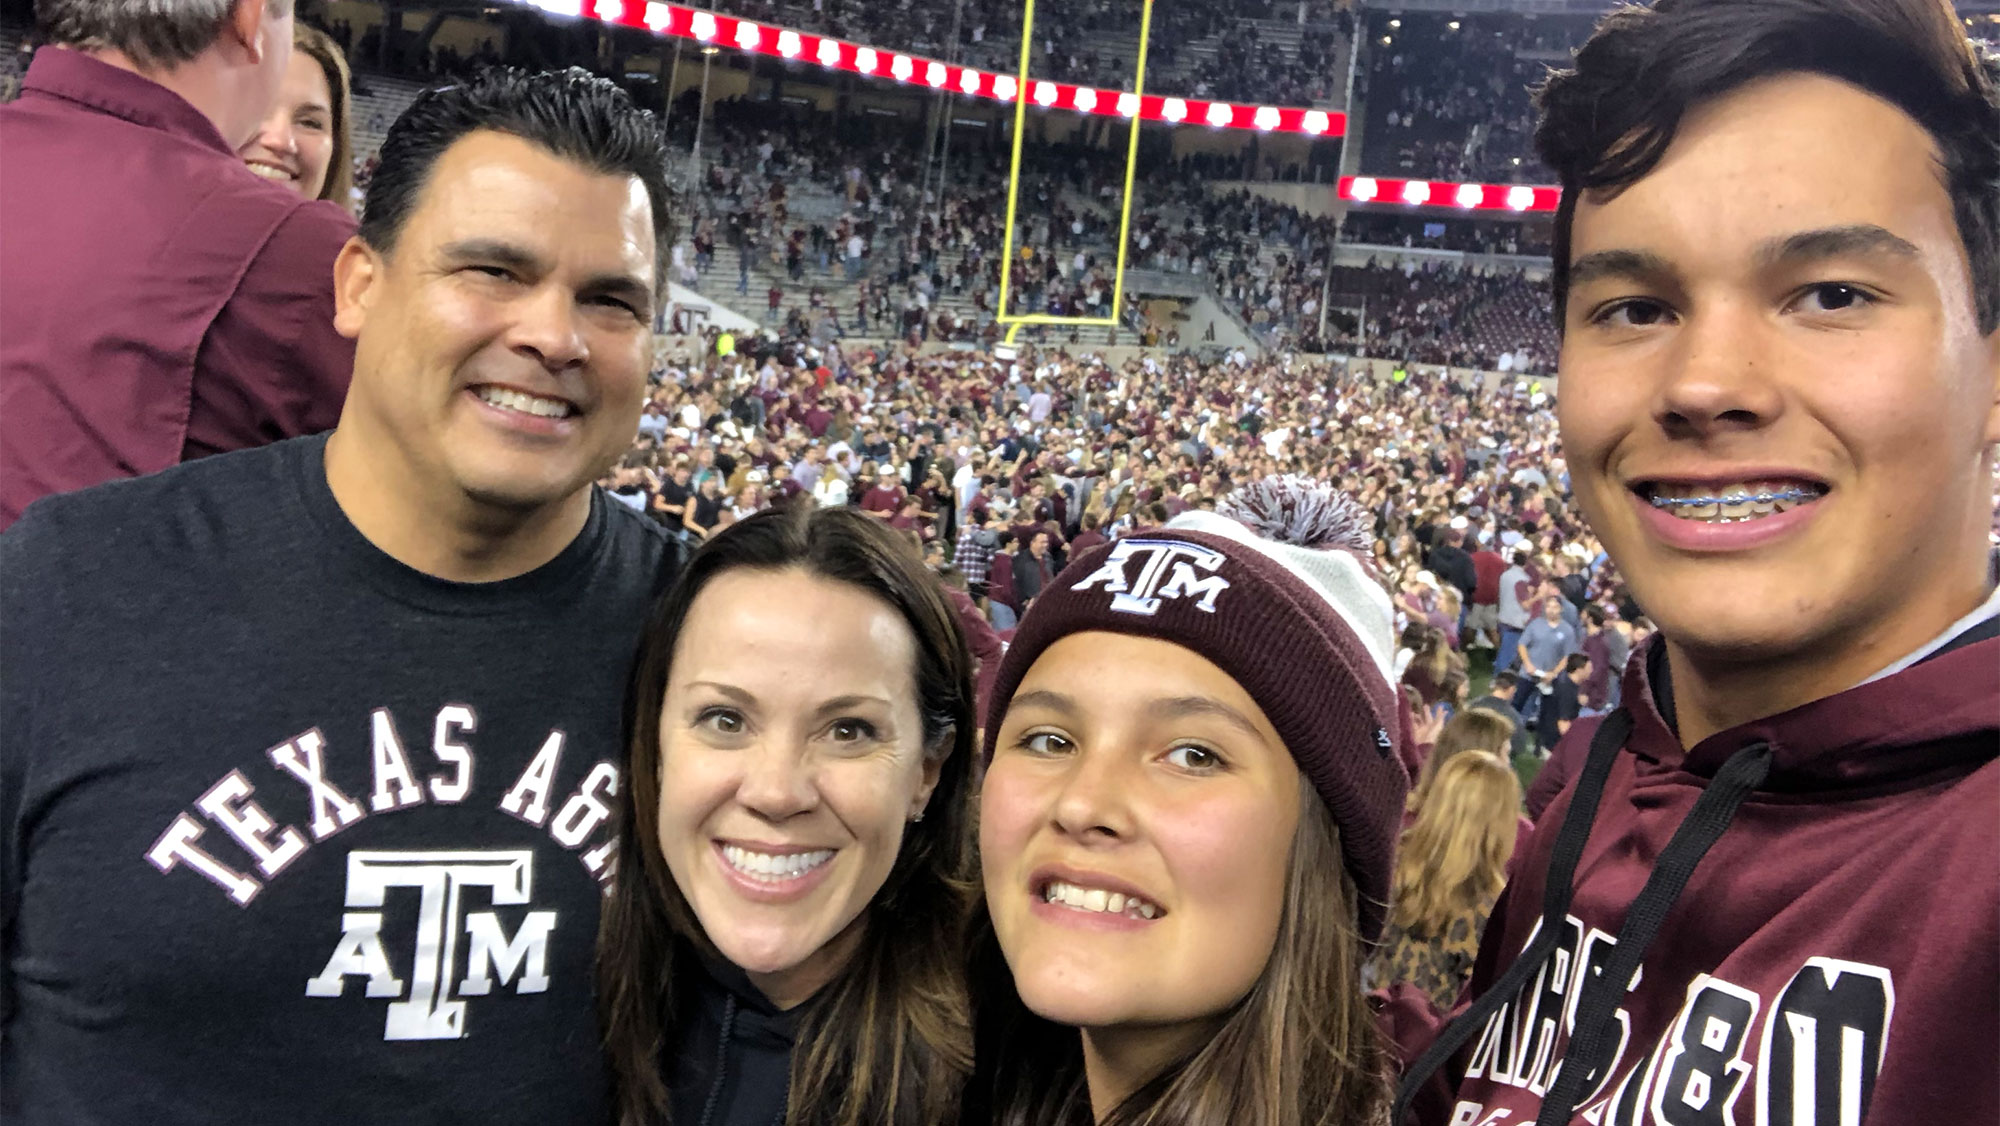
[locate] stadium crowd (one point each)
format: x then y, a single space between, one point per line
976 458
1448 96
1266 262
988 35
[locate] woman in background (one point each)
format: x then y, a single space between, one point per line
1449 870
304 142
1475 729
1429 664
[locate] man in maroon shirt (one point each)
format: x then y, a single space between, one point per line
886 497
1768 895
1483 620
1088 538
158 302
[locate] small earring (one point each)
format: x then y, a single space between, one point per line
918 817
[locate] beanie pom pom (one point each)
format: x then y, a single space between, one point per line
1299 511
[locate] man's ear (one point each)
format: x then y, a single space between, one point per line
246 26
356 270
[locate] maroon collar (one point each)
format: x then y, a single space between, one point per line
1935 716
75 76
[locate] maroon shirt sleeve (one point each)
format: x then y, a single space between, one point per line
271 365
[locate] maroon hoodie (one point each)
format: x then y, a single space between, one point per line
1835 954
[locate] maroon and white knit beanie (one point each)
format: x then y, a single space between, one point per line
1273 589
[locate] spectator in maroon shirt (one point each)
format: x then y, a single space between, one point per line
885 497
980 637
1001 600
162 302
977 510
1088 538
910 517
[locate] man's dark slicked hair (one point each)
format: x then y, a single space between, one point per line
571 113
1607 122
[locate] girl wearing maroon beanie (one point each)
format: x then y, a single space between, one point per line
1186 828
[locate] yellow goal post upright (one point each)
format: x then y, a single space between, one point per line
1022 91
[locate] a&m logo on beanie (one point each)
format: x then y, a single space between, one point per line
1170 569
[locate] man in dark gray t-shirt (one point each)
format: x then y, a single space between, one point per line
308 753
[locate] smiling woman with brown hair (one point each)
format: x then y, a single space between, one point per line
783 945
305 142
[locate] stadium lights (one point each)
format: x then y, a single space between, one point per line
1453 25
1516 198
714 29
1395 24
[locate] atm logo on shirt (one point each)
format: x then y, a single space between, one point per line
461 947
430 1005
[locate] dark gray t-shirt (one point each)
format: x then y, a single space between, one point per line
294 833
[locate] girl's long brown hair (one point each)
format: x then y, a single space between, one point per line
1301 1049
320 46
888 1042
1453 859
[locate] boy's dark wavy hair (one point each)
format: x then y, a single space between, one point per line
1607 121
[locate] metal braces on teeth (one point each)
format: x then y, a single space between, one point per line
1799 496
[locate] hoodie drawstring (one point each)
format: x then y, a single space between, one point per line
721 1062
1592 1032
1604 748
1594 1035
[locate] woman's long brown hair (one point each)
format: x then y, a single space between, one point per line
1453 858
1474 729
320 46
1301 1048
888 1042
